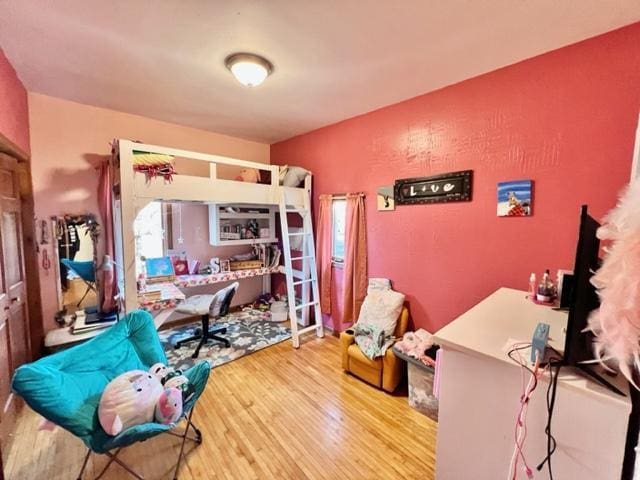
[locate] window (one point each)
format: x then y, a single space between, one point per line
339 208
148 230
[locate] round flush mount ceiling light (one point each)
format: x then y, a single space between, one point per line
249 69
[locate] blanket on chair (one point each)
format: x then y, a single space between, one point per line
372 340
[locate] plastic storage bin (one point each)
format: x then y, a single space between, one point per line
420 386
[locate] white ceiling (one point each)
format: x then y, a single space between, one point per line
333 58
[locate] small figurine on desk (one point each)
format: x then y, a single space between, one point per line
205 270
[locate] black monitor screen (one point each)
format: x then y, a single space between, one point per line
579 344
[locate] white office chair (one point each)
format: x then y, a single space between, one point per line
213 306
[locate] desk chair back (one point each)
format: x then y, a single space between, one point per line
221 301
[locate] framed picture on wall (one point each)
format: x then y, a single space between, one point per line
225 266
515 198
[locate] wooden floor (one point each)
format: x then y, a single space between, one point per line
277 414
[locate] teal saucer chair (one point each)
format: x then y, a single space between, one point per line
65 387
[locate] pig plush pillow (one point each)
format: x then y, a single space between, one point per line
137 397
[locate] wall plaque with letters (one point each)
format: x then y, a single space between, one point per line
448 187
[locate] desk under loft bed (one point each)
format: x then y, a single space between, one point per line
209 179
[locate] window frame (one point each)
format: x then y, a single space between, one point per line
163 237
336 260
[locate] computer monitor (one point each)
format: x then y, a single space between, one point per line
578 346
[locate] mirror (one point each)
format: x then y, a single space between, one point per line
75 245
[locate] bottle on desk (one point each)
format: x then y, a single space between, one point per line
546 289
532 286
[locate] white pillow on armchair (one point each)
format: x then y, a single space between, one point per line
382 309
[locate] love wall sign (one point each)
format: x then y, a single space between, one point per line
448 187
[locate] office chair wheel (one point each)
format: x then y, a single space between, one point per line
198 436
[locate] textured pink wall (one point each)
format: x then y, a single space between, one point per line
195 235
14 110
565 119
69 139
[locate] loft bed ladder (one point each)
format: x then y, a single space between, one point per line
305 278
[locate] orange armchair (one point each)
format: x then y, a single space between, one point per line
384 372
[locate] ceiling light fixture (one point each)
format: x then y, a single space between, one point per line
249 69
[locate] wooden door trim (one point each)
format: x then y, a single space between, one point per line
30 255
10 148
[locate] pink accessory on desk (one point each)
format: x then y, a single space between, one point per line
194 266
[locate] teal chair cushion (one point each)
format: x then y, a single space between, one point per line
65 388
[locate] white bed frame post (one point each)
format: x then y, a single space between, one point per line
128 213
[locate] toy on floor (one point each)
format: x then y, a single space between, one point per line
416 344
263 302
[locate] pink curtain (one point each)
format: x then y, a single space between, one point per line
105 203
323 252
355 258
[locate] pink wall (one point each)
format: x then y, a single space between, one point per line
195 235
14 111
565 119
69 139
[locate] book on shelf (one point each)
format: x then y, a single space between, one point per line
245 265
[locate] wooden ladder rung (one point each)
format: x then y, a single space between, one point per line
306 257
300 282
307 329
298 274
305 305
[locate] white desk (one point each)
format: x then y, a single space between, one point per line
480 389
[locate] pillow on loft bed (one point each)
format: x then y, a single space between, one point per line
151 159
292 176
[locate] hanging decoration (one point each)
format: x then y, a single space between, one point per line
616 324
448 187
180 237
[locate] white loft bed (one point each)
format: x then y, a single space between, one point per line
134 191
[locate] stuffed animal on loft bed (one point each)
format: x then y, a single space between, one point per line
616 324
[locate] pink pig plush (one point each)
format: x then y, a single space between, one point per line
129 399
169 406
138 397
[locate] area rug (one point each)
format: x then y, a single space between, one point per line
248 331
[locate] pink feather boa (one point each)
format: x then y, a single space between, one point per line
616 324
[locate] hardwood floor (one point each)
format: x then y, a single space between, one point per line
277 414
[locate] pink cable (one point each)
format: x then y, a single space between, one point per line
521 424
